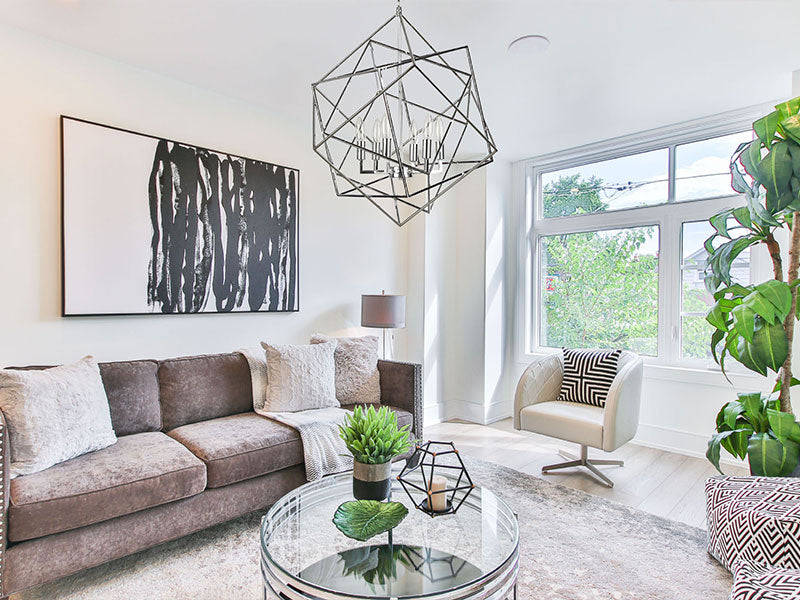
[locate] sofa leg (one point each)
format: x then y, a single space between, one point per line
584 461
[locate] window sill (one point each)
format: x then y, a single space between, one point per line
742 381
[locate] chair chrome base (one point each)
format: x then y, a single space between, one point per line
585 461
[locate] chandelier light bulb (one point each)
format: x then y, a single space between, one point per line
376 130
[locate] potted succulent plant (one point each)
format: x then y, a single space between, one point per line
373 438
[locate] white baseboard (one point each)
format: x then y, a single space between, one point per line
434 413
680 442
652 436
477 413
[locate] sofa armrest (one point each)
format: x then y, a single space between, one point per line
5 495
401 386
540 382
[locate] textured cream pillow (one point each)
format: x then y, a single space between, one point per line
357 377
300 377
54 414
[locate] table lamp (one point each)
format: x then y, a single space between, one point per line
383 311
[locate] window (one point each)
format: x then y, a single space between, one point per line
615 232
695 299
601 290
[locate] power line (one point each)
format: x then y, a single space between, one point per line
611 190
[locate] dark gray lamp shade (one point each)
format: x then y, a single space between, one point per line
383 311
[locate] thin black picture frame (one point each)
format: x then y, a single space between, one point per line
63 273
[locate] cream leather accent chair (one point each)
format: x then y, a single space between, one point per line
537 409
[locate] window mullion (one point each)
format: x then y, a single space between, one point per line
670 289
671 176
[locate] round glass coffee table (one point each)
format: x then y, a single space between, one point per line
472 554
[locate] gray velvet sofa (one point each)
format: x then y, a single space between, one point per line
190 453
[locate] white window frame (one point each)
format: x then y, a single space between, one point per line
668 216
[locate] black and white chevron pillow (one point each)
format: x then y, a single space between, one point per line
760 582
588 375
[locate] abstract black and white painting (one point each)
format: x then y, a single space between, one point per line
152 225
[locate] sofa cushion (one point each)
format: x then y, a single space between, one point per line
199 388
132 390
139 471
239 447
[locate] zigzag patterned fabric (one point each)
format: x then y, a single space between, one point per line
588 375
754 519
757 582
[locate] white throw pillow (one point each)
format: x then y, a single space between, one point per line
300 377
54 414
357 378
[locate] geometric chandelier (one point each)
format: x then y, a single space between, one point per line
400 123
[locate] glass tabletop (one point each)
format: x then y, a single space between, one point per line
423 556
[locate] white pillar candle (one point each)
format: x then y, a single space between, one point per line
438 502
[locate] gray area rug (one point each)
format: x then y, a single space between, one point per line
574 546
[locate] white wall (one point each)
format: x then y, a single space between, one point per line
346 246
461 254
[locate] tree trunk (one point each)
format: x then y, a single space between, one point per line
788 325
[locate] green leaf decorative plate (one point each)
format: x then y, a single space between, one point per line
363 519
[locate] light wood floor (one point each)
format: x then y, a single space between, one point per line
663 483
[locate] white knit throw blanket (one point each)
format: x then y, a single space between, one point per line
324 451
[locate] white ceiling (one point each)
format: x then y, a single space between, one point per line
614 66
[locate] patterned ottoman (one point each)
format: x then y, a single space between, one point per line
756 582
755 519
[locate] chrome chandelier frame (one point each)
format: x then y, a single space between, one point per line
400 168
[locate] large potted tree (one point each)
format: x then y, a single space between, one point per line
754 324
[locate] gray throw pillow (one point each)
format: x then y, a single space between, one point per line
54 414
357 377
300 377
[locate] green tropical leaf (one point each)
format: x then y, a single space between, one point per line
794 152
779 294
742 216
791 127
774 172
794 434
761 306
716 317
750 156
788 108
770 345
712 453
716 338
738 441
730 412
769 457
781 423
746 354
759 213
744 320
720 223
765 127
363 519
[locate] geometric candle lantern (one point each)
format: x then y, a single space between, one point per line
430 491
